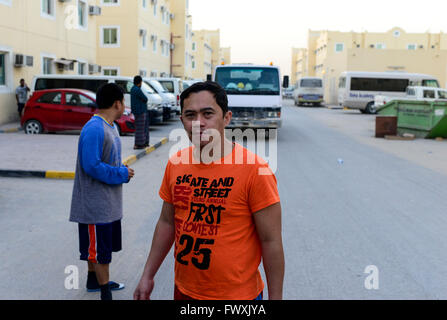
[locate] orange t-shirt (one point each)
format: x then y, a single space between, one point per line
217 250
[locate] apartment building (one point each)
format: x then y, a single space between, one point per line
44 37
202 54
138 45
331 52
181 35
225 55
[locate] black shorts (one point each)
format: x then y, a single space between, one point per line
20 107
97 242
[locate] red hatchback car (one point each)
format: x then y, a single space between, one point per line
65 109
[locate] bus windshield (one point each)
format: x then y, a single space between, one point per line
311 83
249 80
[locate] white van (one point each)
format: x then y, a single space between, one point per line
169 101
308 90
357 90
92 83
174 86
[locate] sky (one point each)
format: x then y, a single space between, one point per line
264 31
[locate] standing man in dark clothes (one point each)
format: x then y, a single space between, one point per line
138 103
21 96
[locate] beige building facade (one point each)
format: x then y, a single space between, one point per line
225 55
139 46
329 53
202 53
44 37
181 29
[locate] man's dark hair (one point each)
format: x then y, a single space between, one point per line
107 94
22 80
137 80
219 93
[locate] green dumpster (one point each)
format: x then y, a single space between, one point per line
424 119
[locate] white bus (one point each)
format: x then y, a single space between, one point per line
357 90
308 90
254 94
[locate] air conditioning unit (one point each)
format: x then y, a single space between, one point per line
143 73
64 0
421 47
19 60
94 10
162 8
172 16
154 1
94 68
154 37
172 46
371 46
143 32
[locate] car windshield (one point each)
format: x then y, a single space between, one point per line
146 87
158 87
311 83
249 80
167 85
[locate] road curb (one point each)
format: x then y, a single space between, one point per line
12 130
69 175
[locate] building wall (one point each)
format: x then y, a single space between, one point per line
225 55
25 30
332 52
203 53
181 28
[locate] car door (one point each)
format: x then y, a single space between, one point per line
78 110
49 110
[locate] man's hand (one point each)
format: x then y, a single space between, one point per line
144 289
131 172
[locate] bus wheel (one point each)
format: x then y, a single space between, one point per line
370 108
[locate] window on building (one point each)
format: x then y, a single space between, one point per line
155 9
194 45
154 45
380 46
82 13
411 47
82 68
111 2
144 41
110 36
48 8
339 47
47 65
144 4
110 72
2 69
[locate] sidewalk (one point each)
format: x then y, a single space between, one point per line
10 127
55 152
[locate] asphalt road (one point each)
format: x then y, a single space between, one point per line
347 204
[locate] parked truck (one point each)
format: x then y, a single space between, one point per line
413 93
254 94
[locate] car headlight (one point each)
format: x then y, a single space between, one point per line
273 114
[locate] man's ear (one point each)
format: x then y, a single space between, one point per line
227 118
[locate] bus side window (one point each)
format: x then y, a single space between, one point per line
430 94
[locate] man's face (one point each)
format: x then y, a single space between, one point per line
201 108
22 83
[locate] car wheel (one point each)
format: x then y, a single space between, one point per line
370 108
33 127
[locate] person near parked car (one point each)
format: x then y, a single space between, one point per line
21 96
138 103
97 204
223 215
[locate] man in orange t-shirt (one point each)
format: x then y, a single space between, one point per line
223 213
